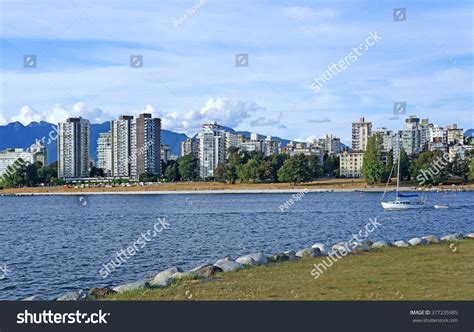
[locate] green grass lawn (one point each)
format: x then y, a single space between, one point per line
432 272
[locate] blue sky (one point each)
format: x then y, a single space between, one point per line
189 75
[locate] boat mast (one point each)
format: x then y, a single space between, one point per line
398 169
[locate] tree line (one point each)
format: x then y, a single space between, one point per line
377 170
254 167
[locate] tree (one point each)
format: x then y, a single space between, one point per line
147 177
220 173
277 161
95 171
389 164
429 167
314 168
47 173
248 171
373 168
172 171
404 165
265 171
188 167
330 164
295 170
460 167
471 169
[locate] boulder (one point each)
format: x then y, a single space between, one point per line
132 286
282 257
259 257
431 239
246 260
163 278
359 247
416 241
291 255
33 298
342 247
401 244
225 259
185 275
322 247
207 270
452 237
381 244
98 293
309 252
72 296
228 265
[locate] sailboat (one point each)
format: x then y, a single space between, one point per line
400 202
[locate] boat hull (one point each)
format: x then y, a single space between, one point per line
398 206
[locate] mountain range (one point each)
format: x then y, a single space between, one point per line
17 135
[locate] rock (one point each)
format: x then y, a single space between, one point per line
259 257
98 293
33 298
416 241
282 257
401 244
185 275
291 255
225 259
431 239
342 248
207 270
469 236
132 286
359 247
246 260
367 243
381 244
163 278
452 237
73 296
309 252
322 247
228 266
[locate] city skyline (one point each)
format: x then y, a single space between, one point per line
189 73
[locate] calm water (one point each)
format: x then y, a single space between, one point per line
51 245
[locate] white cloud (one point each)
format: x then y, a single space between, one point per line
60 113
27 115
3 120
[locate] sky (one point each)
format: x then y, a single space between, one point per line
189 74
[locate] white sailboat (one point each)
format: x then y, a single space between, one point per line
400 203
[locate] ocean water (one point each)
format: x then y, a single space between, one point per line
53 244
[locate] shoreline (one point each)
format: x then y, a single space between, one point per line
86 191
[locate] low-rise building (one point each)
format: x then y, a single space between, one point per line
350 164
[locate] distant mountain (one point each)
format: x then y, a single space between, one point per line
16 135
469 133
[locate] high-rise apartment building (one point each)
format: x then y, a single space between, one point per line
121 136
104 153
145 146
73 148
190 145
330 144
211 148
361 132
454 134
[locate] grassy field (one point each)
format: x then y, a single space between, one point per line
432 272
192 186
